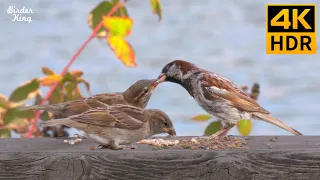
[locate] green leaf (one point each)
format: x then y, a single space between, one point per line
122 11
38 99
244 127
45 116
4 104
47 71
201 117
102 9
69 78
86 84
5 133
56 96
15 116
24 92
118 26
212 128
156 8
95 17
71 92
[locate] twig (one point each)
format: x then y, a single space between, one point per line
65 70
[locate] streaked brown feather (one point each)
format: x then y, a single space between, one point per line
119 116
135 95
232 93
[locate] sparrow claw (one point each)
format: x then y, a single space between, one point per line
77 136
129 147
100 146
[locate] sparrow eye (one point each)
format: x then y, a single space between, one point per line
146 89
165 123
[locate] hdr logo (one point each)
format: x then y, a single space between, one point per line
291 29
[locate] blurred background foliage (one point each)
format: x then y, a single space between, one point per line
109 20
30 91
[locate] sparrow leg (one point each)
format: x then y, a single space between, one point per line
222 132
104 146
77 136
115 145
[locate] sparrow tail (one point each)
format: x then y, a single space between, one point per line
270 119
51 108
56 122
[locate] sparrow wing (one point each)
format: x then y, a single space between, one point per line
216 87
119 116
110 98
81 105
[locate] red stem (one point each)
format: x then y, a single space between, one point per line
66 68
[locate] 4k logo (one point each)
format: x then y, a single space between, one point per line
291 29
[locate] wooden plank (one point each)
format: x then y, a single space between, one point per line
45 158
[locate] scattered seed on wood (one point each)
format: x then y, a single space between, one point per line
228 142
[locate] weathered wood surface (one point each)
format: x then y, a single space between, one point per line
44 158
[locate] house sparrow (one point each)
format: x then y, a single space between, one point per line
114 126
136 95
218 96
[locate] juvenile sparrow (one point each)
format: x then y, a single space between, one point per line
136 95
218 96
114 126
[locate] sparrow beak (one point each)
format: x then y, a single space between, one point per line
153 85
170 131
161 78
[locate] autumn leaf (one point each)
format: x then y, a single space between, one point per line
21 127
4 133
118 26
4 104
212 128
76 73
15 116
72 92
69 78
156 8
244 127
101 10
47 71
24 92
50 80
86 84
123 50
201 117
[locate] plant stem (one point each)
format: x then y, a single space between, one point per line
66 68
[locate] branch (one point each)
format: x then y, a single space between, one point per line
65 69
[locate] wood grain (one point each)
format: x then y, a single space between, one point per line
44 158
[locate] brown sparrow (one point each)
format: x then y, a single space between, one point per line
217 95
114 126
136 95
